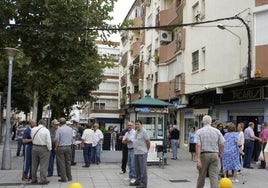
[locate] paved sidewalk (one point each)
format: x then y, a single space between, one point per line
106 175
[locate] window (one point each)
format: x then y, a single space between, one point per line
99 106
195 61
136 89
203 9
178 83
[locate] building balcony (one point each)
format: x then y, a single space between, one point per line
138 22
123 81
167 52
135 48
170 16
134 96
137 72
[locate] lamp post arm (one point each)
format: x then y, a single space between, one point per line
249 45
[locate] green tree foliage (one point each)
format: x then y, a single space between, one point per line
58 57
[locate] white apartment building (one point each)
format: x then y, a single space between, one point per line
105 110
206 57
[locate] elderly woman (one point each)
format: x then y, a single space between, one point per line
231 153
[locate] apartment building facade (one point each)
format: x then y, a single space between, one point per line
105 110
204 56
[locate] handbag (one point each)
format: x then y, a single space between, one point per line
261 157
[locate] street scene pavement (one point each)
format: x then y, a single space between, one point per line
181 173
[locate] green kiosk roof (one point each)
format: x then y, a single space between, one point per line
149 101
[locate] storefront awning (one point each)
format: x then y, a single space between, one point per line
200 112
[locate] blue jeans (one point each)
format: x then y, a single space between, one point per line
51 164
87 153
131 164
248 148
19 145
174 147
96 154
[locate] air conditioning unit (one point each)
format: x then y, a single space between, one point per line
165 36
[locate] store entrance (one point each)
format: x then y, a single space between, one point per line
257 121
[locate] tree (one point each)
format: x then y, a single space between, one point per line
61 64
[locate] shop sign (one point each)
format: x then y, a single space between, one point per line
151 110
242 95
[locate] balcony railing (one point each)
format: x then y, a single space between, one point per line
167 52
170 16
135 48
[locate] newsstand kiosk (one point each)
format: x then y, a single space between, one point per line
153 113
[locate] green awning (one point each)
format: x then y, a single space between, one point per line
149 101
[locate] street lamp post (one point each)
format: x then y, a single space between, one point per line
222 27
6 157
1 127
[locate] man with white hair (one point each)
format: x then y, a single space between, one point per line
209 147
174 139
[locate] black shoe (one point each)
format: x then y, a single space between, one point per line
70 179
34 182
49 175
44 183
60 180
123 172
73 164
134 184
249 167
86 166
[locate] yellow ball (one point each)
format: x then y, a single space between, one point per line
226 183
75 185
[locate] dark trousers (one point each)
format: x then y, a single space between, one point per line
87 153
52 158
27 162
141 169
248 148
124 158
263 165
73 153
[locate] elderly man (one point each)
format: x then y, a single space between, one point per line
27 161
174 139
54 127
40 152
63 142
128 139
87 140
249 144
209 147
96 145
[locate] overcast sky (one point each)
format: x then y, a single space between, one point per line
120 11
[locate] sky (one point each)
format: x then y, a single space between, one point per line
121 9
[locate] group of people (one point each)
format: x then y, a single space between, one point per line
216 148
43 146
136 144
